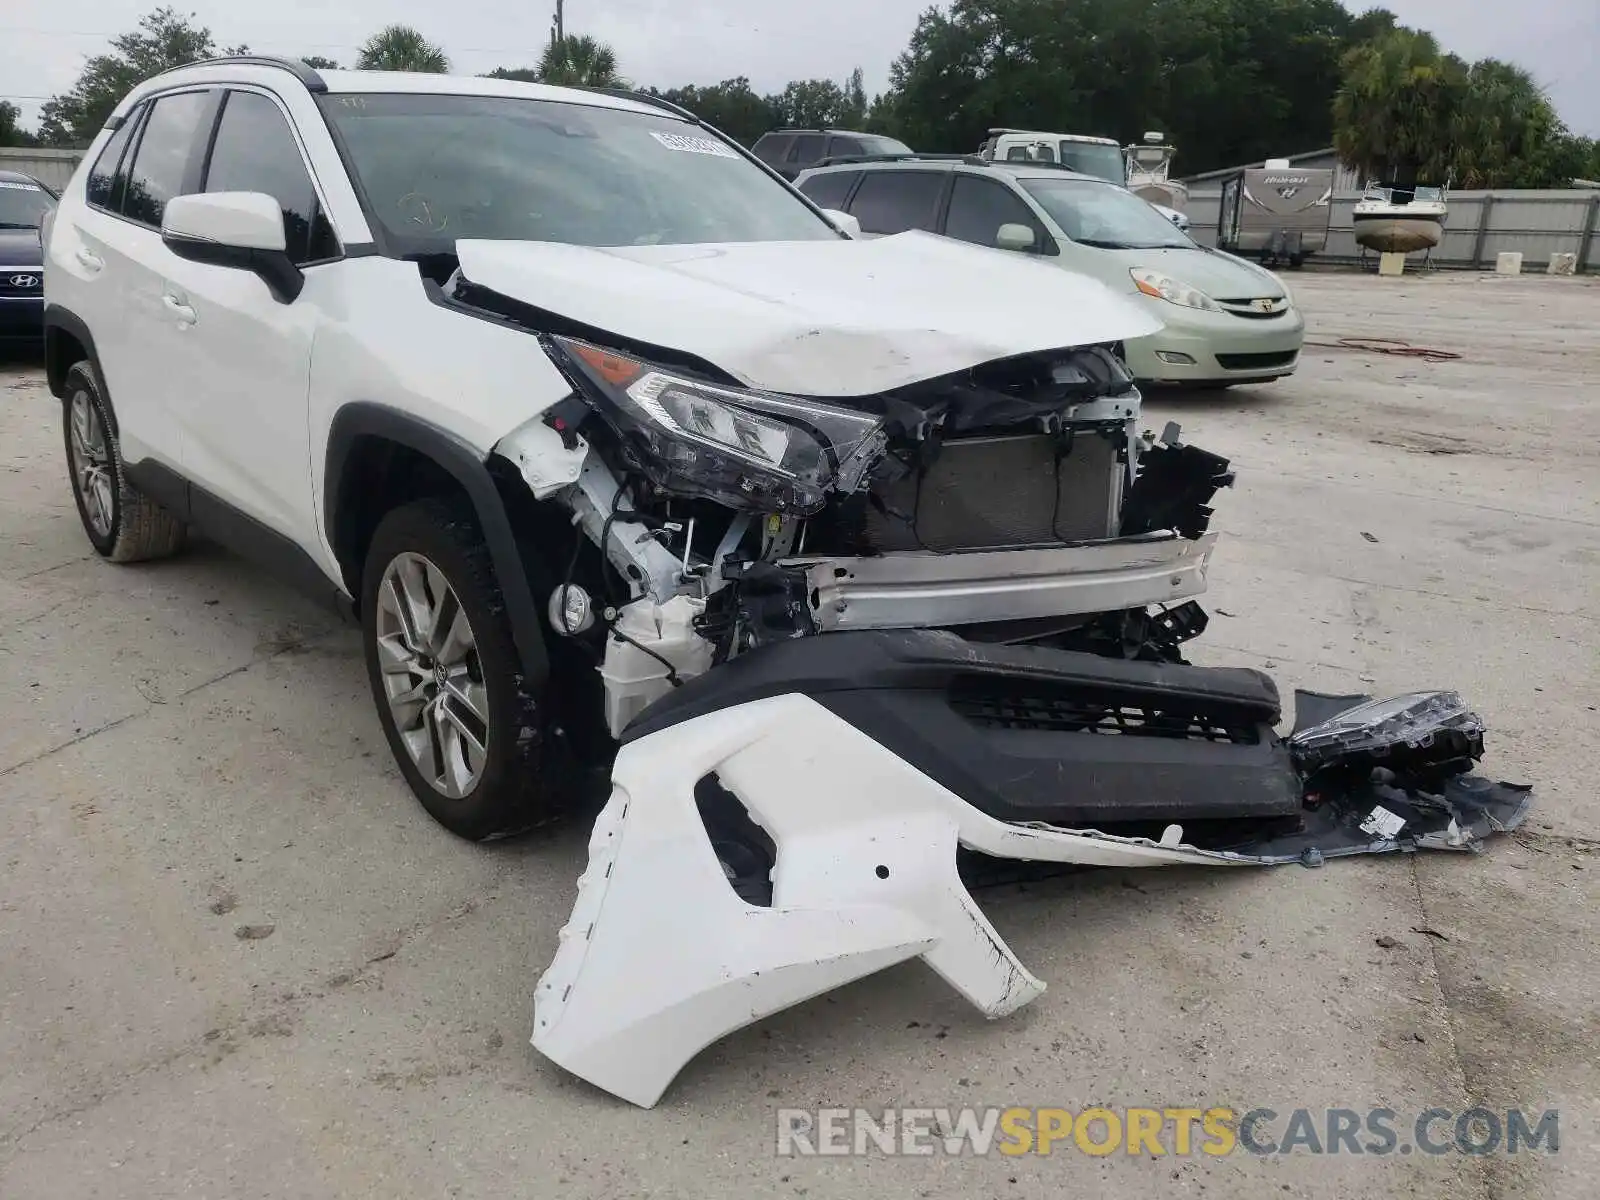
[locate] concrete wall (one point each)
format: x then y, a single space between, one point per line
1480 225
51 167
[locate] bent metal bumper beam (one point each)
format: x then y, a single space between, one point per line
932 591
661 957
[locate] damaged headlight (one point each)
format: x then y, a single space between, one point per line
1420 728
744 448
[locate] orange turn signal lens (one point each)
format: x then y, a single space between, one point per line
613 368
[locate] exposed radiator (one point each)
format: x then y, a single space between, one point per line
989 492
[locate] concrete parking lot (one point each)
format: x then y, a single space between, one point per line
237 960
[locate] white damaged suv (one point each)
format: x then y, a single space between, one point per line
573 404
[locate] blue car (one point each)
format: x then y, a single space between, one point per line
24 203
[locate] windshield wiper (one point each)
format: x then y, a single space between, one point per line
1099 244
15 225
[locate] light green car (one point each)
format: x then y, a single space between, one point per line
1226 320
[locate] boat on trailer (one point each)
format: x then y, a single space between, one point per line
1149 173
1396 220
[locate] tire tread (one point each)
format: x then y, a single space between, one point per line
145 530
525 789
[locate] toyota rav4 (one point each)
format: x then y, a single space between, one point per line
574 404
838 554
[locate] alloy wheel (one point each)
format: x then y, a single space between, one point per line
432 675
91 463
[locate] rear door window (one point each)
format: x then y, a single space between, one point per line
830 190
840 146
807 148
167 155
101 189
771 147
895 201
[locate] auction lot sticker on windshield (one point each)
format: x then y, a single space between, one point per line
694 145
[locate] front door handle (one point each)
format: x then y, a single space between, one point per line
184 313
90 262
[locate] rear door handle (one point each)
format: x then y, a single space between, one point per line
179 309
91 262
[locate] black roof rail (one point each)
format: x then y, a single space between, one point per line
971 160
306 75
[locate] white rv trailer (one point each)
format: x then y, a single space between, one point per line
1277 212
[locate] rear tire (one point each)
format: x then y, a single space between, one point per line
123 524
465 730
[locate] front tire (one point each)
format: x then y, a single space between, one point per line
123 524
446 677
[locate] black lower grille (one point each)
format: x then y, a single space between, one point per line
1019 704
1253 362
990 492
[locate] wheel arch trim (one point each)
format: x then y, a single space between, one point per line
462 463
59 320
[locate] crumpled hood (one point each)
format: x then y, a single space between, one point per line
844 318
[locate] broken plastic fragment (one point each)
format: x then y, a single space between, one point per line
1378 726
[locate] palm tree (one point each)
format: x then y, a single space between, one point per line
580 62
1392 113
1503 126
401 48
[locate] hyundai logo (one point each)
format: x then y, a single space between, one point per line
25 282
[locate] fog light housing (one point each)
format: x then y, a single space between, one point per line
1175 358
571 610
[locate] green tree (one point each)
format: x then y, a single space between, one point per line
1406 112
1504 130
162 41
317 63
401 48
853 111
580 61
1226 80
810 104
11 132
733 106
1399 96
521 74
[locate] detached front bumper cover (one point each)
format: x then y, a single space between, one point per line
667 950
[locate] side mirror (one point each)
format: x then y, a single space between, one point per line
1015 237
243 230
844 222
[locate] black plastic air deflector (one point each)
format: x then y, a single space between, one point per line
1026 733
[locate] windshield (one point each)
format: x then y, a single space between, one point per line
1104 215
23 205
1103 162
437 168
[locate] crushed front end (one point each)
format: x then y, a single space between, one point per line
842 641
1015 503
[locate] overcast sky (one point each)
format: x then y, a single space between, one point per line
670 42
